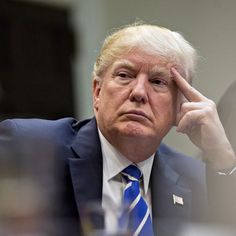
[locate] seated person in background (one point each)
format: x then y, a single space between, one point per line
227 113
141 89
223 196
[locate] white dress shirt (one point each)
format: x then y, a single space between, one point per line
113 183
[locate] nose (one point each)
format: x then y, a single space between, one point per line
139 91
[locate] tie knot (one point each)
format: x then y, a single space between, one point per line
132 173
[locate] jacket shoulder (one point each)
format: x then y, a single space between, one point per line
190 167
18 127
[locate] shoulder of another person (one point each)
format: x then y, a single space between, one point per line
35 137
34 127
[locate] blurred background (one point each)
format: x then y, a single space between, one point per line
47 51
48 47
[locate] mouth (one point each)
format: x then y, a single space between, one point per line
136 115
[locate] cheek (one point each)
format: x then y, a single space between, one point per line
173 99
116 95
107 100
180 99
165 108
173 105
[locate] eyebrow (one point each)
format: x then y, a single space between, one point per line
124 63
161 71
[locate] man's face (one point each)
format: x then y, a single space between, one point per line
136 98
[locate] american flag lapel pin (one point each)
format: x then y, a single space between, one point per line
178 200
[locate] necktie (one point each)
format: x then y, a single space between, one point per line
135 215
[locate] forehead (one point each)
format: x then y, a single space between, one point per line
139 59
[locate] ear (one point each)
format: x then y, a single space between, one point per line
96 92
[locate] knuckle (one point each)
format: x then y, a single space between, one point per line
188 116
211 103
185 107
211 108
208 111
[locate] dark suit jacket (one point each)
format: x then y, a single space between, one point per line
69 153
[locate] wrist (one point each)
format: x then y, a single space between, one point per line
221 159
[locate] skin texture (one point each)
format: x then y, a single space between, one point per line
135 104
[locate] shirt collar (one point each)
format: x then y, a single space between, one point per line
114 162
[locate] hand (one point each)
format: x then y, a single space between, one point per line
198 119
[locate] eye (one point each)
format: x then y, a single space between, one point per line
159 82
124 74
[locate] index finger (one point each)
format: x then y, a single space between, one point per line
188 91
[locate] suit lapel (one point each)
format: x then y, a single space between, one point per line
86 173
166 182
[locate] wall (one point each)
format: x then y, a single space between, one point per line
208 24
60 3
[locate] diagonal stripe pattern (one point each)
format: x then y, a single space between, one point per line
135 216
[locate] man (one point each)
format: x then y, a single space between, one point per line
140 91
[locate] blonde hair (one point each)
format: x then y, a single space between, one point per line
151 39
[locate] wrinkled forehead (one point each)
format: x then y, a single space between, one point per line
140 60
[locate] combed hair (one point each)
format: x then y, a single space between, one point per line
152 40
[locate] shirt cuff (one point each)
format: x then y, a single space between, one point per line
227 172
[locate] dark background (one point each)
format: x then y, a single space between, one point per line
36 51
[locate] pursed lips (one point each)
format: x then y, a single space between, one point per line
137 113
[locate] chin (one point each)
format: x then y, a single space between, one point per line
134 130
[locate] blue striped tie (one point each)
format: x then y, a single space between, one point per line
135 216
